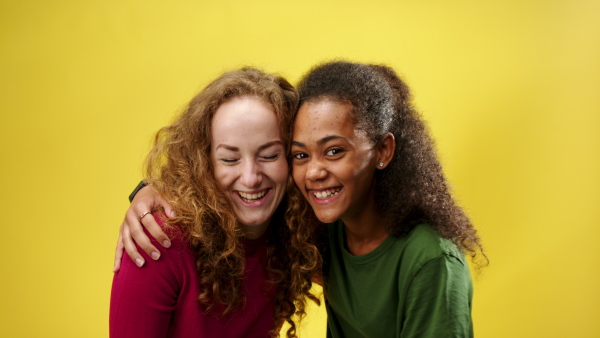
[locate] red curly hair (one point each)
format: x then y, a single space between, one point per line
180 169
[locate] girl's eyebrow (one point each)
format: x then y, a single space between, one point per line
264 146
320 142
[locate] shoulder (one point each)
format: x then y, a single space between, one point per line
431 263
175 233
167 274
424 243
172 261
144 298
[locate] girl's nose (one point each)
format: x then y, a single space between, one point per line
316 171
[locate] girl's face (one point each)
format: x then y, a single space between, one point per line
334 162
249 160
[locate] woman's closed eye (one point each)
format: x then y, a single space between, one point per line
271 157
229 160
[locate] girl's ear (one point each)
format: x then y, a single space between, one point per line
386 149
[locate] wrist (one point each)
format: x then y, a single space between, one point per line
139 187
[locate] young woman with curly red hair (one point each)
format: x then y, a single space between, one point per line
237 265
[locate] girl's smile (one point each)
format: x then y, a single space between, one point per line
333 161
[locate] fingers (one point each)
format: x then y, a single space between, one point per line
132 229
156 231
129 245
118 254
132 233
166 206
147 199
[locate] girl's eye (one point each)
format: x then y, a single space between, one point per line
334 151
300 156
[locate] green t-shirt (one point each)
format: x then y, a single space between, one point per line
415 285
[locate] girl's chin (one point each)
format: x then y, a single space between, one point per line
327 217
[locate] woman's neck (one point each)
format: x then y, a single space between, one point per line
254 232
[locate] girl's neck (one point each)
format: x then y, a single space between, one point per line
364 231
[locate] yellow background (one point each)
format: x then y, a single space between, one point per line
511 91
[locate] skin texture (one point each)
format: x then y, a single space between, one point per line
249 161
334 165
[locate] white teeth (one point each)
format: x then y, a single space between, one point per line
251 197
326 193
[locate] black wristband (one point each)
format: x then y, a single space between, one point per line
142 184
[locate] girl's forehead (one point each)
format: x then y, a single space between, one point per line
325 110
324 120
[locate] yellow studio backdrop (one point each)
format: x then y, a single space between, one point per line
510 90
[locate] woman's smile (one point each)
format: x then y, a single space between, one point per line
253 198
249 160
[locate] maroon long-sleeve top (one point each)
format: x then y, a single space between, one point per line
160 298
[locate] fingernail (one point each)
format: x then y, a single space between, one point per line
139 262
166 243
155 255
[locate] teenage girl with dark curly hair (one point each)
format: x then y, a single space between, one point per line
364 161
394 246
236 267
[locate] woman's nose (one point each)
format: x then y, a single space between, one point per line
251 175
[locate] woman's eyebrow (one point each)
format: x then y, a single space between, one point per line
270 144
264 146
227 147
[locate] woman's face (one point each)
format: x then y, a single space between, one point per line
249 160
334 162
